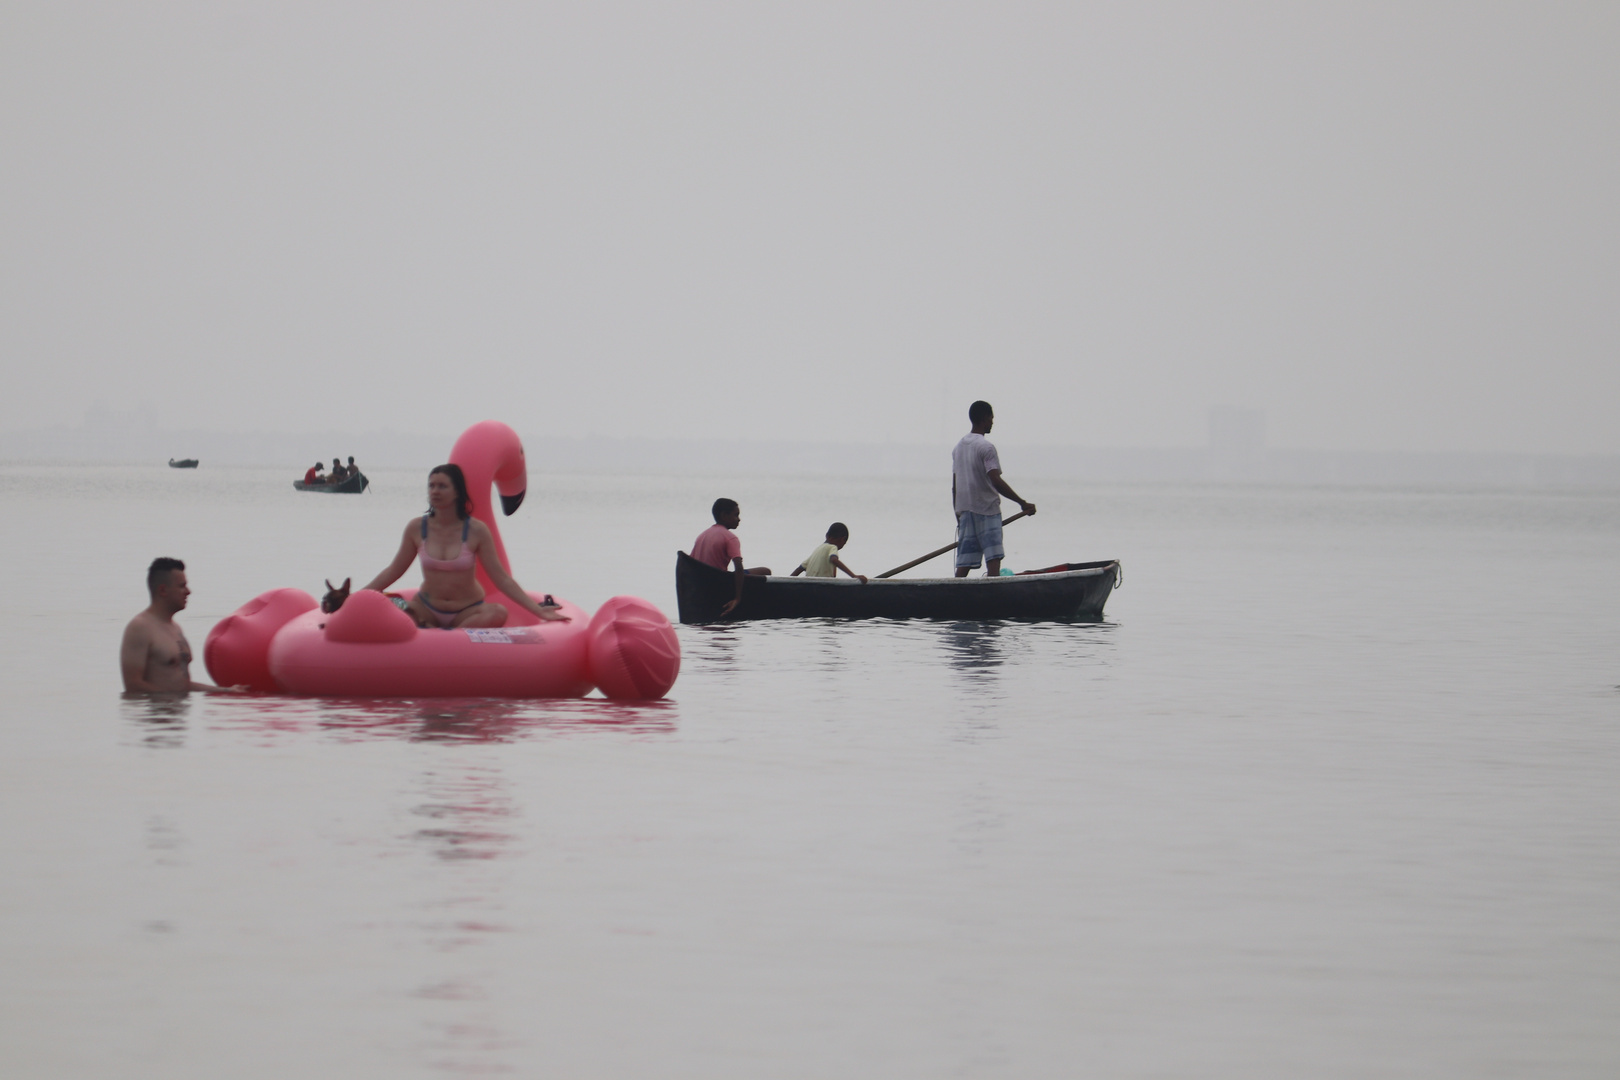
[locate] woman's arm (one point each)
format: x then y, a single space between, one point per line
504 581
401 563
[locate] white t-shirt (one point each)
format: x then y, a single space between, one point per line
819 564
971 462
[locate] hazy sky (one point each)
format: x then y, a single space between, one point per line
1389 226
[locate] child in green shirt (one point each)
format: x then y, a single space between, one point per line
824 561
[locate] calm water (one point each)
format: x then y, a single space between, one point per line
1332 792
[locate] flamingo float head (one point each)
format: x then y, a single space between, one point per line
491 456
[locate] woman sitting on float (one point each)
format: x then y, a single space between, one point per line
449 541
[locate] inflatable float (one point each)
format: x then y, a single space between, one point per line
281 641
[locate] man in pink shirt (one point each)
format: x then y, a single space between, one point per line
718 546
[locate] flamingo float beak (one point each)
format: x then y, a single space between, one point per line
510 503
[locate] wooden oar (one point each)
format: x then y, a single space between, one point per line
943 550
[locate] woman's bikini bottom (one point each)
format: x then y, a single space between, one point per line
446 618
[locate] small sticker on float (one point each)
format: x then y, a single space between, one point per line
516 635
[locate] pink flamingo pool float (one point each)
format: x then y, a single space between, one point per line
281 641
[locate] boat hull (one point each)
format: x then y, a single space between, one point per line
1072 591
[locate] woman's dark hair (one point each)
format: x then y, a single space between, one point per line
459 481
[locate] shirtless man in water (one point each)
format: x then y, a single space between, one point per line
155 656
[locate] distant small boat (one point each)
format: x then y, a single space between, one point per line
183 463
1065 591
354 485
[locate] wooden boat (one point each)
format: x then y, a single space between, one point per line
183 463
1065 591
353 485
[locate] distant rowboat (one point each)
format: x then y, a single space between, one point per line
1065 591
183 463
354 485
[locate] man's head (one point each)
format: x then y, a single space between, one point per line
727 513
838 534
982 416
166 581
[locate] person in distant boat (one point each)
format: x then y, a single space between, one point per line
718 546
449 542
824 561
354 470
976 490
338 473
313 476
155 657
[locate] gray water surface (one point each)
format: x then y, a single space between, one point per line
1331 792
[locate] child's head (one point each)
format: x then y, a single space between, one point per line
727 513
838 534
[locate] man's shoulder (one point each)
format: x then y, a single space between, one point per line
976 445
143 627
717 534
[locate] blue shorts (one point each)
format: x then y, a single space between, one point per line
976 535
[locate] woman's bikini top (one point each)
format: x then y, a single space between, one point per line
464 558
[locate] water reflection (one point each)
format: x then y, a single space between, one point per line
158 720
467 820
163 839
712 644
443 720
974 648
464 812
979 649
830 638
980 822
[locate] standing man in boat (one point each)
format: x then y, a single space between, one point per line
976 490
155 657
